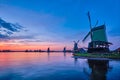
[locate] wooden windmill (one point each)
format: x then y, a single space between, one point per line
75 48
99 42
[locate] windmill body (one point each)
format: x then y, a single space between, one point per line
99 42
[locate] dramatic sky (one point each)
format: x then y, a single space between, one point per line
57 23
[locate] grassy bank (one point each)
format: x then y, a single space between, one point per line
98 55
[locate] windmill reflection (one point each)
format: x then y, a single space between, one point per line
99 69
75 61
64 54
48 54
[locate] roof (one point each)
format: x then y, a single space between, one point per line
99 27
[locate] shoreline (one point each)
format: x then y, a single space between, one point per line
96 56
92 58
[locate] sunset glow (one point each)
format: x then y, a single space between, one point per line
39 25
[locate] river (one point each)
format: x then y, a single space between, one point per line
55 66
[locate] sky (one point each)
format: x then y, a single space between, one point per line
57 23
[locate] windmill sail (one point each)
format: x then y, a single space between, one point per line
86 37
98 34
90 25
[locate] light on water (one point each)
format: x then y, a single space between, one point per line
55 66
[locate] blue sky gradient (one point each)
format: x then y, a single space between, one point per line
62 21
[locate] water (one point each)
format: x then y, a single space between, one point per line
55 66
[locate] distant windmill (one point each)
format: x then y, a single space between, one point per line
75 49
99 42
64 49
48 50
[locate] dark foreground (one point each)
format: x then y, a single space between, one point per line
56 66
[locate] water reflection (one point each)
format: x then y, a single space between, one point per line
55 66
48 55
75 61
99 69
64 54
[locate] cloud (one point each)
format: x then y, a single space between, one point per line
39 24
7 29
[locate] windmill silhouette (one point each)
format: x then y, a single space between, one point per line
99 42
75 48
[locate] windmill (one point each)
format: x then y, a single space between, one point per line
64 49
48 50
76 49
99 42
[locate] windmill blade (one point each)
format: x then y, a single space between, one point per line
88 14
96 23
86 37
78 41
89 18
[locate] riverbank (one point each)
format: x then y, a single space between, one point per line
97 55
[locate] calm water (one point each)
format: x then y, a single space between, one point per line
55 66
